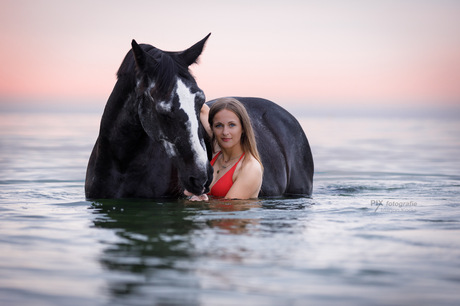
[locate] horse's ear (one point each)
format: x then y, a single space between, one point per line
139 55
191 55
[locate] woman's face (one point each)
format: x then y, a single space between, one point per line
227 129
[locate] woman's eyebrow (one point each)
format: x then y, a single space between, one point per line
231 121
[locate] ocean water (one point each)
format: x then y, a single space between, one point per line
382 226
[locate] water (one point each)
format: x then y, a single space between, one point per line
382 227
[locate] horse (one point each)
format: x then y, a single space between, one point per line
150 142
283 148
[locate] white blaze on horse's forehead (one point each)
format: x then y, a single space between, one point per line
187 104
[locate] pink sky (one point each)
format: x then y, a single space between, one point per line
293 52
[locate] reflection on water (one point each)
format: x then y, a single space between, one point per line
267 251
234 225
156 247
153 242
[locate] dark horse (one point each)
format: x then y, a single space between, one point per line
151 143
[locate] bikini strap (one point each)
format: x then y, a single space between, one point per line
213 161
234 166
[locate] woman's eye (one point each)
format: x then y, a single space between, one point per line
232 125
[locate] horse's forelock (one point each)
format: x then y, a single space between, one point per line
165 75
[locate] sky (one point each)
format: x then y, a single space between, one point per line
301 53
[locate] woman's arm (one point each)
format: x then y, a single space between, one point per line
204 115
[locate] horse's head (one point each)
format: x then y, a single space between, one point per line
169 106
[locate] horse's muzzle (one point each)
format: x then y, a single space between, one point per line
198 183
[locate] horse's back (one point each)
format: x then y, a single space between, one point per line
283 148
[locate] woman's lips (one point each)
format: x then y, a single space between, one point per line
226 139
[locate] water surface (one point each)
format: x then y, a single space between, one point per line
381 228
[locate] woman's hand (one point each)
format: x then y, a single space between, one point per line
194 197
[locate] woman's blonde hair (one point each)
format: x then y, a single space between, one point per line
248 140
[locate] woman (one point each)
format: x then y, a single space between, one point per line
237 166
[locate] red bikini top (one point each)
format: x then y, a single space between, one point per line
223 185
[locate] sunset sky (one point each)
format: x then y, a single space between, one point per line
356 52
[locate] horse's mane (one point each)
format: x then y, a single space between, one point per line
166 67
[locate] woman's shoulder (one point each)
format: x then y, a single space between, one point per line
251 164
